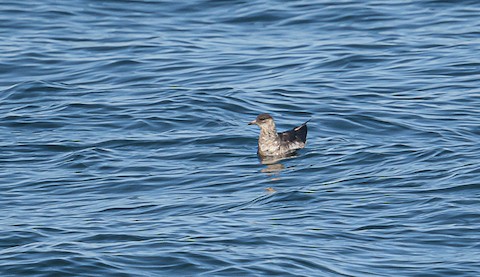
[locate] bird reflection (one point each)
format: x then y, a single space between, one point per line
273 168
274 165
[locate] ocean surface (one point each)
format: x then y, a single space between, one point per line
125 149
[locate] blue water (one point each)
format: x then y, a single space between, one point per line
125 150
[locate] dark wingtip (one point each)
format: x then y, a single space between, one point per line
302 132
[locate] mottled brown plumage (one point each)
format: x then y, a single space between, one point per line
273 144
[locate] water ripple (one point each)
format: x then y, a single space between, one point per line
124 148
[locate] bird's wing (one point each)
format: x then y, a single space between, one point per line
297 134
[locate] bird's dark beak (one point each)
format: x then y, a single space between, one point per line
252 122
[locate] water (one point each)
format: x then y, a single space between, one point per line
125 150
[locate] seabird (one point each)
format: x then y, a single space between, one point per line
273 144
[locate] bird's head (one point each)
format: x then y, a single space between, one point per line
263 121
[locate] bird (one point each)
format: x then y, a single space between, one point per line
276 145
